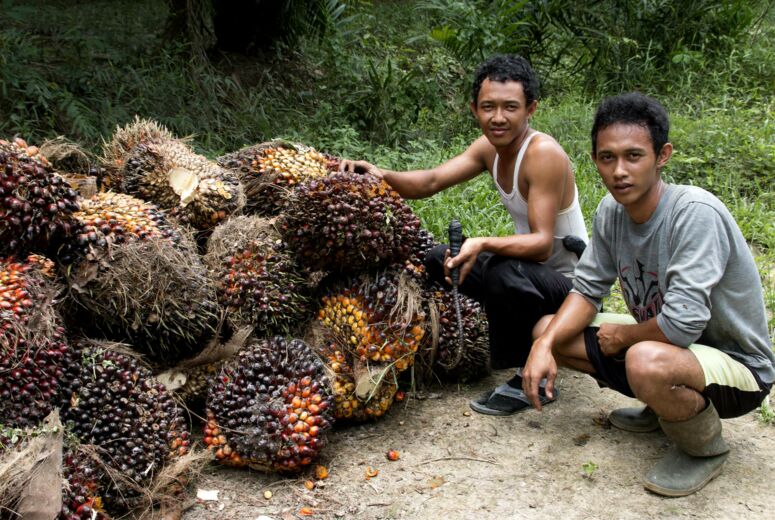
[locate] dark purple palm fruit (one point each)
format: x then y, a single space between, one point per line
36 204
111 400
348 223
32 342
269 407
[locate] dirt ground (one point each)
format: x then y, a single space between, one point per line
459 465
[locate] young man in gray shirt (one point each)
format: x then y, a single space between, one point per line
698 348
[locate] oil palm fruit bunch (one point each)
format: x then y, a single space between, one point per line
36 204
153 166
269 407
111 400
348 405
81 498
347 222
378 317
258 281
443 351
32 342
141 281
269 171
420 247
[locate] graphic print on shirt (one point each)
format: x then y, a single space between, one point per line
641 291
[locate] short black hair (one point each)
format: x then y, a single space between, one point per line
633 108
507 67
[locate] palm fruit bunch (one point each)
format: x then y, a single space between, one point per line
36 204
257 280
116 218
146 161
377 317
81 498
348 405
269 407
269 170
347 222
142 281
415 264
77 166
111 400
32 342
442 351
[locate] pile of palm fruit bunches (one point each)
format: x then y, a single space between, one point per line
259 299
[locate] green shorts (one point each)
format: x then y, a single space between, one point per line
734 388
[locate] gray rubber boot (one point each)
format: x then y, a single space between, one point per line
639 420
697 457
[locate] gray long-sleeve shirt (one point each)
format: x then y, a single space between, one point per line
689 266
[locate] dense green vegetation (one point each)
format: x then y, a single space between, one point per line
389 81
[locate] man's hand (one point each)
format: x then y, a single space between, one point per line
540 364
611 339
466 259
348 165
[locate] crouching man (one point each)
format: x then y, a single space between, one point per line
698 348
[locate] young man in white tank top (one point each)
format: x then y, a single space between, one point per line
521 277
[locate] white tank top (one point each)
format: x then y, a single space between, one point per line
570 220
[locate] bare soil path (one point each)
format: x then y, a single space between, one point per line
460 465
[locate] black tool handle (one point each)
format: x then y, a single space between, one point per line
455 241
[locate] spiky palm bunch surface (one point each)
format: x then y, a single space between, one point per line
442 350
32 342
110 400
269 407
148 162
347 222
81 497
258 280
36 204
141 280
269 171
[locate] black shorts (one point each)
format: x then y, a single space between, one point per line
733 388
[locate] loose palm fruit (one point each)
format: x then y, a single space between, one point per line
269 170
347 223
168 173
112 401
32 342
36 204
269 407
445 357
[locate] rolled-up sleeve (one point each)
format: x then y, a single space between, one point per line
700 250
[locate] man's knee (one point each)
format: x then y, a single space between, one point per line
434 262
649 365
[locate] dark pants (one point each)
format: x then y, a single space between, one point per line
515 295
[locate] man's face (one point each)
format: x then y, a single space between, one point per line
502 112
629 167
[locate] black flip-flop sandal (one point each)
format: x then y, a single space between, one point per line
501 404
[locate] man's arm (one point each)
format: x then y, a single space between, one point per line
546 169
575 313
419 184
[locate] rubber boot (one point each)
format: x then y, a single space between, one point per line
697 457
639 420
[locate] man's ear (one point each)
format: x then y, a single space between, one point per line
531 108
472 106
664 155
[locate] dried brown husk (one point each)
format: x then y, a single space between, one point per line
31 470
153 294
